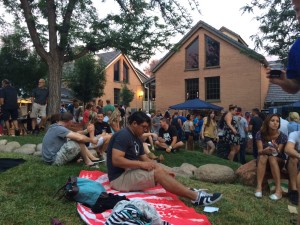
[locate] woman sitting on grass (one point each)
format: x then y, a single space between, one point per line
114 121
270 144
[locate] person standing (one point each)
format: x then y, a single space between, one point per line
156 122
254 126
209 132
243 130
9 105
39 104
108 107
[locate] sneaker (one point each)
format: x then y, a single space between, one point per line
17 132
293 197
205 198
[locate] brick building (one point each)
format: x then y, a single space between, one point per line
119 71
213 65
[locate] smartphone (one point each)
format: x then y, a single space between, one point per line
275 73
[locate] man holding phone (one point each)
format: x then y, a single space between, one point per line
289 80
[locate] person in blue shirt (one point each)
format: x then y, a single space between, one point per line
293 124
198 123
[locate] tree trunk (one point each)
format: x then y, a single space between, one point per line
55 75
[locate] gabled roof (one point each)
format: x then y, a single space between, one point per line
108 57
143 77
202 25
277 95
237 36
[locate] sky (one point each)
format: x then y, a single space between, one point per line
216 13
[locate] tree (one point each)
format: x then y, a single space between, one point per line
22 66
278 26
126 96
87 79
62 31
148 69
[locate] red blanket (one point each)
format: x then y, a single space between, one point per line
168 205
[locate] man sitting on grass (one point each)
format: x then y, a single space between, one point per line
61 145
168 137
129 169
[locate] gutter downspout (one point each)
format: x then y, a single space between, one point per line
148 93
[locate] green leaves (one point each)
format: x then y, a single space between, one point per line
278 26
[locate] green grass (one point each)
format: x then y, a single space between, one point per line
26 193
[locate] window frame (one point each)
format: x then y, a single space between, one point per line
117 66
125 73
206 46
189 92
218 89
186 55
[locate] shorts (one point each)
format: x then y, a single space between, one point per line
66 153
207 139
10 113
134 180
38 110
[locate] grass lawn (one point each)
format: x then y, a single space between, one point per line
26 193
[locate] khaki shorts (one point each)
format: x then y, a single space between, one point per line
67 153
134 180
38 109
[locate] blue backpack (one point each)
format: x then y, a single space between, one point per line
82 190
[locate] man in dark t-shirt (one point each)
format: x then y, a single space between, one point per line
168 137
9 105
254 126
130 169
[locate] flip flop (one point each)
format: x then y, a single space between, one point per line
275 197
258 194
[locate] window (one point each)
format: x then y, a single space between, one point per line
191 88
192 55
212 88
212 51
117 96
117 71
125 73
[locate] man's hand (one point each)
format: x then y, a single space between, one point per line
147 165
90 128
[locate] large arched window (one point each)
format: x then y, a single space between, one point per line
192 55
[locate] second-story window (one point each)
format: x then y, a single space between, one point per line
117 71
192 55
125 73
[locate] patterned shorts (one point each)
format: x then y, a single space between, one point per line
67 153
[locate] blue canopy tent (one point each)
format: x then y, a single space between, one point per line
196 104
295 105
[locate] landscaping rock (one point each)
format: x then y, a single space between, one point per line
3 142
10 146
247 173
39 147
215 173
185 170
37 153
27 149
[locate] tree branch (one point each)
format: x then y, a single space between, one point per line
32 30
64 31
52 25
76 56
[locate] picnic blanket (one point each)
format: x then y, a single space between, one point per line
170 208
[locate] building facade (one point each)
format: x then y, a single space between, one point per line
213 65
119 72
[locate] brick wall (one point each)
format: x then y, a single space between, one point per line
242 79
134 83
